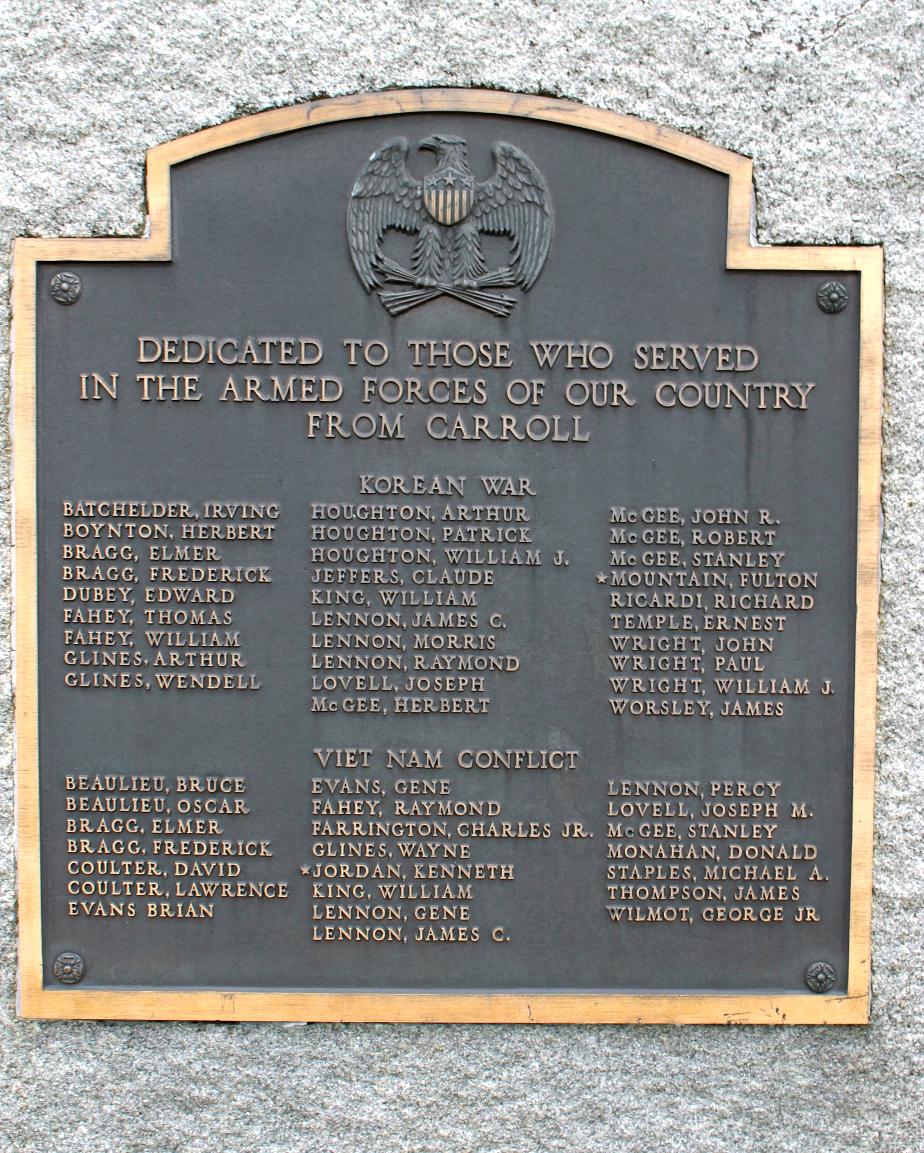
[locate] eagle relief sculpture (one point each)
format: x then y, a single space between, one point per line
448 211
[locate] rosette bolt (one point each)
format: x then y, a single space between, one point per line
820 976
832 296
65 287
69 968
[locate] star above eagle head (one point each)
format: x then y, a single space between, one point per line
448 211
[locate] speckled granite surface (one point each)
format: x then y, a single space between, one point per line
827 99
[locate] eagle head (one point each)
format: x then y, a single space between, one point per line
442 145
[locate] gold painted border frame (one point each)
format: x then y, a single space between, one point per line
590 1008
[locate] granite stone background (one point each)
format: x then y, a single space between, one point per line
827 98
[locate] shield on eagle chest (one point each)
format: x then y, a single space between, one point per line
448 195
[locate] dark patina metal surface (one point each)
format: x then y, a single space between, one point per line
260 246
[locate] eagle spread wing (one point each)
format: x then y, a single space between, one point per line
515 203
384 196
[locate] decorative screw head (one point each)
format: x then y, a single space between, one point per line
820 976
832 296
69 968
65 287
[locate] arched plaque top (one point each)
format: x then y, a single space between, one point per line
741 253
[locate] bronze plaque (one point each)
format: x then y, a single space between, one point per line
446 575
